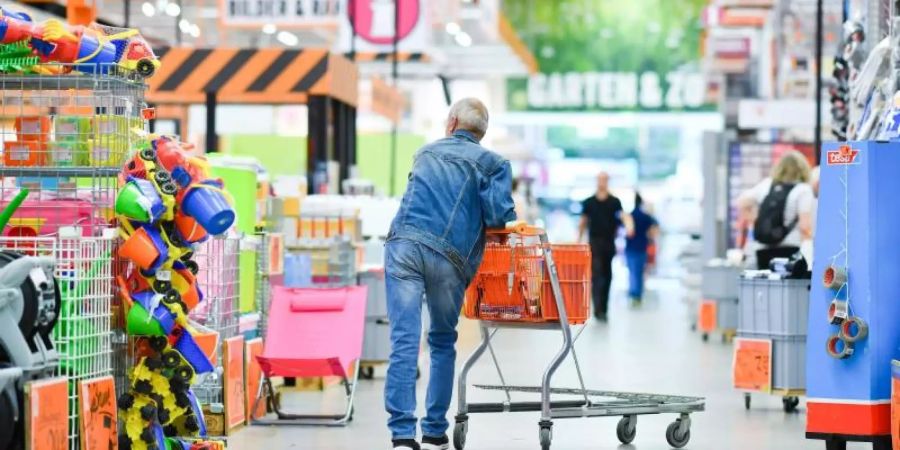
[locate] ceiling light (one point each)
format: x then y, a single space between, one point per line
463 39
148 9
173 9
453 28
269 28
195 30
184 25
288 38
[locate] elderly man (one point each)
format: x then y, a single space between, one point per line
456 190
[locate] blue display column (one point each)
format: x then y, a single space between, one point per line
856 286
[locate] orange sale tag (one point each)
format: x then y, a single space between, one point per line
753 364
707 317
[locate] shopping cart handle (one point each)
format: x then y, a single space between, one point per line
518 227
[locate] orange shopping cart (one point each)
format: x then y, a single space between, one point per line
525 282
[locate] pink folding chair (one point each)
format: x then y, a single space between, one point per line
313 332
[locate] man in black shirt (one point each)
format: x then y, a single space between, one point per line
601 217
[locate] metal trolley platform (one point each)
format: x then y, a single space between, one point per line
593 403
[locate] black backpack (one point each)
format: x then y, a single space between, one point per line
769 227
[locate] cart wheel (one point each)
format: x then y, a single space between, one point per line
747 402
675 437
705 337
367 372
790 404
459 435
546 435
626 430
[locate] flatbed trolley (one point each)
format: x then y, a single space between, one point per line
519 286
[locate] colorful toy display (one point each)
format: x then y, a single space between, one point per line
93 49
160 217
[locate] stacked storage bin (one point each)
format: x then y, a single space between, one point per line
775 309
376 340
720 286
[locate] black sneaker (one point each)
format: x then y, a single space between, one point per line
435 443
406 444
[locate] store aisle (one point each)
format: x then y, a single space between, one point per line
647 349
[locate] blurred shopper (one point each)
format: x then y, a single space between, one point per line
601 217
637 246
780 208
456 190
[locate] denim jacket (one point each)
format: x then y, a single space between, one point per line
456 189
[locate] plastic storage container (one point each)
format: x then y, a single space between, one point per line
376 340
774 307
727 312
720 281
788 361
376 306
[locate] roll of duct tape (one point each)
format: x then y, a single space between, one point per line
853 330
838 348
834 277
838 311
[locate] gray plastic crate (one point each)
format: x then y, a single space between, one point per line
376 341
727 314
376 305
788 360
720 282
775 308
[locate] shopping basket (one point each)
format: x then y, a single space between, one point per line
513 283
526 283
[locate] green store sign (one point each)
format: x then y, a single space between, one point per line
610 55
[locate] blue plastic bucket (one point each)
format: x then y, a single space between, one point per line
101 60
193 354
209 208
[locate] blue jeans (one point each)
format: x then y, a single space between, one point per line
636 261
413 270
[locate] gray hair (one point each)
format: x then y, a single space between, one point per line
472 116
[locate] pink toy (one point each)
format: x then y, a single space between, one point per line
45 216
314 333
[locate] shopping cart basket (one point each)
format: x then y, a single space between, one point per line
521 285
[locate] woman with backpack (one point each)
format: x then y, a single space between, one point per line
780 210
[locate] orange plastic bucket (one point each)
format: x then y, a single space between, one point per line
140 249
188 228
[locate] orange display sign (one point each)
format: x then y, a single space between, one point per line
253 373
706 320
233 363
276 254
97 413
753 364
47 414
895 404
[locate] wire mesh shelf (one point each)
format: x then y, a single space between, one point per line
219 280
64 138
263 287
82 335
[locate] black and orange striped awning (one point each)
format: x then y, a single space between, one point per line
257 75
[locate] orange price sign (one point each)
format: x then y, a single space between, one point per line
97 404
254 372
753 364
233 363
47 414
895 403
706 321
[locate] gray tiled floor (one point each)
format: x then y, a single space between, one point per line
645 349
